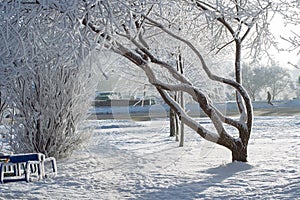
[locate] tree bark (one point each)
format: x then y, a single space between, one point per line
180 68
172 123
239 153
181 122
176 127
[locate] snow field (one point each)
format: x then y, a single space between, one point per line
138 160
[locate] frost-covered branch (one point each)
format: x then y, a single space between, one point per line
294 42
183 87
232 83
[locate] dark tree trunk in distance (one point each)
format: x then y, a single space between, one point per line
172 123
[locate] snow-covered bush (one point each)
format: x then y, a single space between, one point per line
50 77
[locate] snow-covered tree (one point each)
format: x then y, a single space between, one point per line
253 82
231 26
232 21
261 79
279 81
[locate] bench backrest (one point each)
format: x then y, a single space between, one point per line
19 158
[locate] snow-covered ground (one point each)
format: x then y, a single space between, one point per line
138 160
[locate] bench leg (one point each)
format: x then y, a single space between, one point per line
1 173
52 161
29 170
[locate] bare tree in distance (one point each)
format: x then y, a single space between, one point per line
260 79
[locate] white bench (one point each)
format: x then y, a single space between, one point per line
26 167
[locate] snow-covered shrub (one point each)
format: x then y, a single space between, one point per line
50 77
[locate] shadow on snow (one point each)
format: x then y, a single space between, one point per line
196 189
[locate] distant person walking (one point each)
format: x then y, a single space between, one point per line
269 98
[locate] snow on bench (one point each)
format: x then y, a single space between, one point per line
26 167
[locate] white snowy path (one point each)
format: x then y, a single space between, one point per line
137 160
